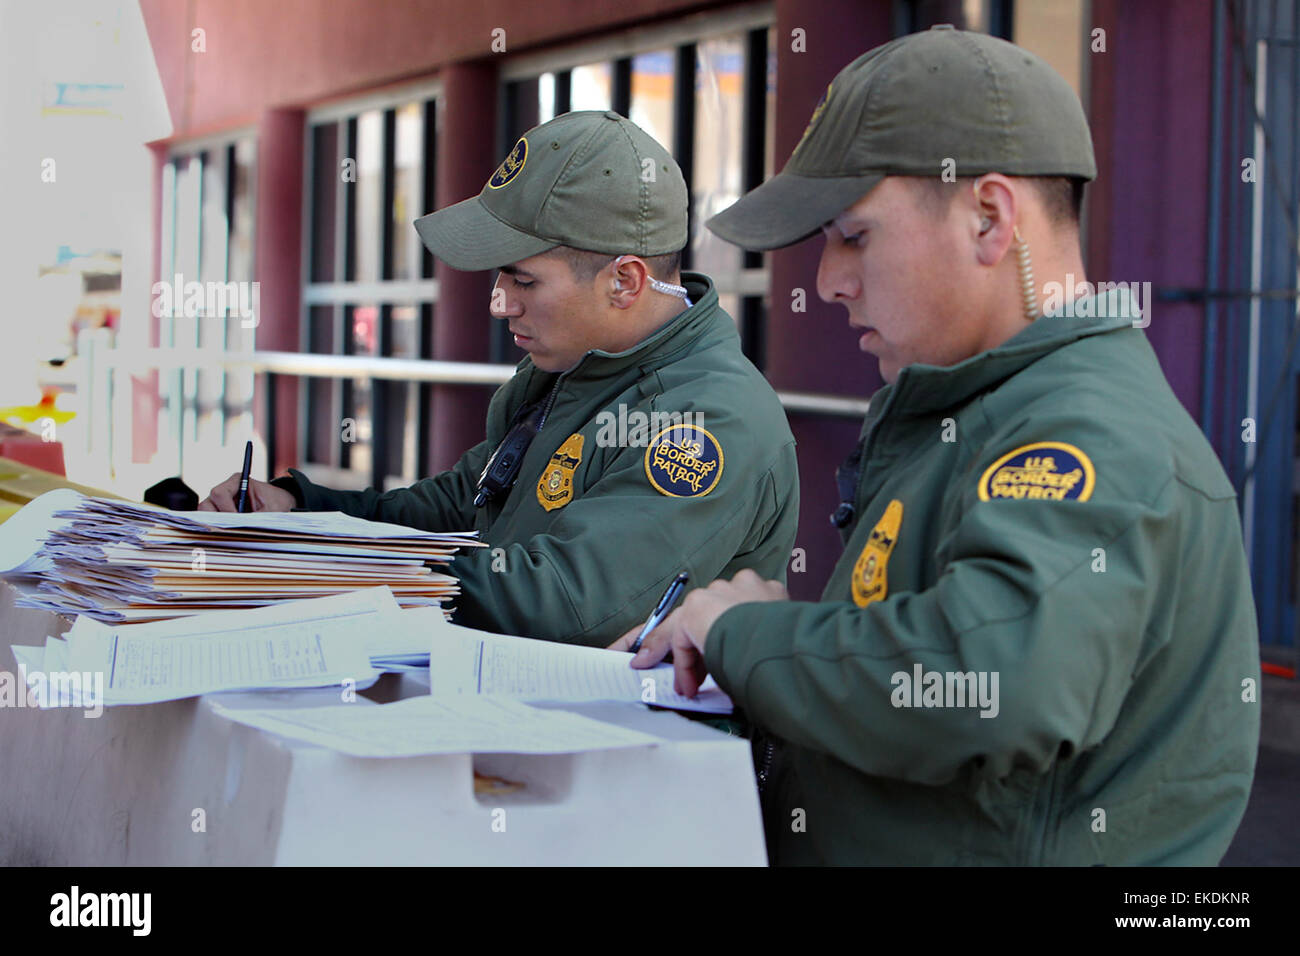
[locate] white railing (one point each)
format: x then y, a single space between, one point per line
102 373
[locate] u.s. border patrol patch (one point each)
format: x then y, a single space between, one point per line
510 166
870 581
1043 471
555 487
684 461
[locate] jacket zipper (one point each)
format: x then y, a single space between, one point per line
550 403
765 765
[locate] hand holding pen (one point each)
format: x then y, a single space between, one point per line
675 589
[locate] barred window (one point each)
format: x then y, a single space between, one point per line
207 236
369 286
706 90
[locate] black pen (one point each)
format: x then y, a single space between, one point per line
242 504
662 608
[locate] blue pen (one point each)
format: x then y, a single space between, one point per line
661 610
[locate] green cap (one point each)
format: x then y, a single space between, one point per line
590 180
904 109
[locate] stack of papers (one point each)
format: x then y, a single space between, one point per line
120 562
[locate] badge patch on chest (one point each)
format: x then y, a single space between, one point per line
555 487
870 582
684 461
1045 470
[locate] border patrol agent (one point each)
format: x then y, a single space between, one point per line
1039 645
598 483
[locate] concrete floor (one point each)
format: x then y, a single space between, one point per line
1270 831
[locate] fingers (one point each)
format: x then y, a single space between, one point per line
261 496
654 648
747 577
748 585
222 500
689 669
222 496
656 645
659 642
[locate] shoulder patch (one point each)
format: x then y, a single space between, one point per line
511 165
555 487
870 581
684 461
1045 470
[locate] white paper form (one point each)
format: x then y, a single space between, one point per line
301 644
146 670
466 661
421 726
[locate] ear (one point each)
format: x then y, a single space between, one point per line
994 210
627 280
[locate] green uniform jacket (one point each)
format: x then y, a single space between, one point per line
595 564
1118 620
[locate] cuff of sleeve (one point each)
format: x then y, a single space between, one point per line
290 484
307 492
729 648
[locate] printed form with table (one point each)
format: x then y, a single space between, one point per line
319 647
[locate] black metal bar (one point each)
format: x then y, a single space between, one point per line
1002 18
424 404
380 391
903 17
272 426
563 91
380 399
223 401
350 205
684 133
621 87
754 123
388 186
346 386
428 195
507 108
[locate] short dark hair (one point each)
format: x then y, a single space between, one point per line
1062 196
585 265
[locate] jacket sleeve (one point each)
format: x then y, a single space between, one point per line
1019 595
608 555
444 502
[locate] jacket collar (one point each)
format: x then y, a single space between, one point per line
922 389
